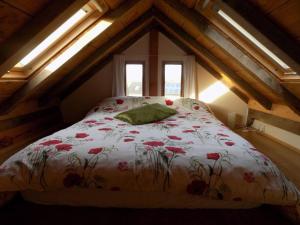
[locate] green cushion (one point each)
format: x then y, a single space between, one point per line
146 114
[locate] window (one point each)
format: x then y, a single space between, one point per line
172 79
78 45
59 32
256 42
134 78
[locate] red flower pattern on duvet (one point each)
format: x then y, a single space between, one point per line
169 102
63 147
128 139
95 150
134 132
175 138
105 129
51 142
119 101
175 150
154 143
214 156
229 143
81 135
188 131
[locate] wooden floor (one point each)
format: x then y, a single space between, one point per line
21 213
287 159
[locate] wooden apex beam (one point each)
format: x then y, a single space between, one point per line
248 63
35 31
91 60
200 61
180 34
153 62
45 77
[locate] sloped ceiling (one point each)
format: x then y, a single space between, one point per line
182 21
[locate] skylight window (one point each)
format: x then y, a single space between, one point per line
66 26
253 40
78 45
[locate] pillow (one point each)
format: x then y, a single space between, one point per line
146 114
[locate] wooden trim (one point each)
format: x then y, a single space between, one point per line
31 34
153 62
285 124
143 63
178 33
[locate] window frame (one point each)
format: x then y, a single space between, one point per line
172 62
130 62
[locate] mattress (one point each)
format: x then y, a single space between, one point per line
96 198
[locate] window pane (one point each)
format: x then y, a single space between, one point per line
173 73
134 79
253 40
52 38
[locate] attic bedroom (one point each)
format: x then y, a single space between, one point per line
149 111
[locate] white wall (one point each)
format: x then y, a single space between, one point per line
75 106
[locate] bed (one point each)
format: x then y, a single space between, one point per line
189 160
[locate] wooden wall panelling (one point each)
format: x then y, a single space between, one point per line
206 54
35 30
11 20
153 62
249 64
28 6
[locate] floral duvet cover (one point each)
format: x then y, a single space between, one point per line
189 153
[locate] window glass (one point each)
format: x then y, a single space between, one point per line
172 78
134 79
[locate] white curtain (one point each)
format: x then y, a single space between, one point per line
189 75
119 75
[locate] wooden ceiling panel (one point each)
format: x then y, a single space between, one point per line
28 6
11 20
113 3
294 87
8 87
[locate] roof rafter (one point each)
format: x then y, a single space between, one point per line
205 53
39 27
256 71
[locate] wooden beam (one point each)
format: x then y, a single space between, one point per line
285 124
46 76
90 63
97 67
201 62
35 31
153 62
270 30
180 34
249 64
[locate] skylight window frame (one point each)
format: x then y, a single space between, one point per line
143 63
169 62
57 45
264 58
